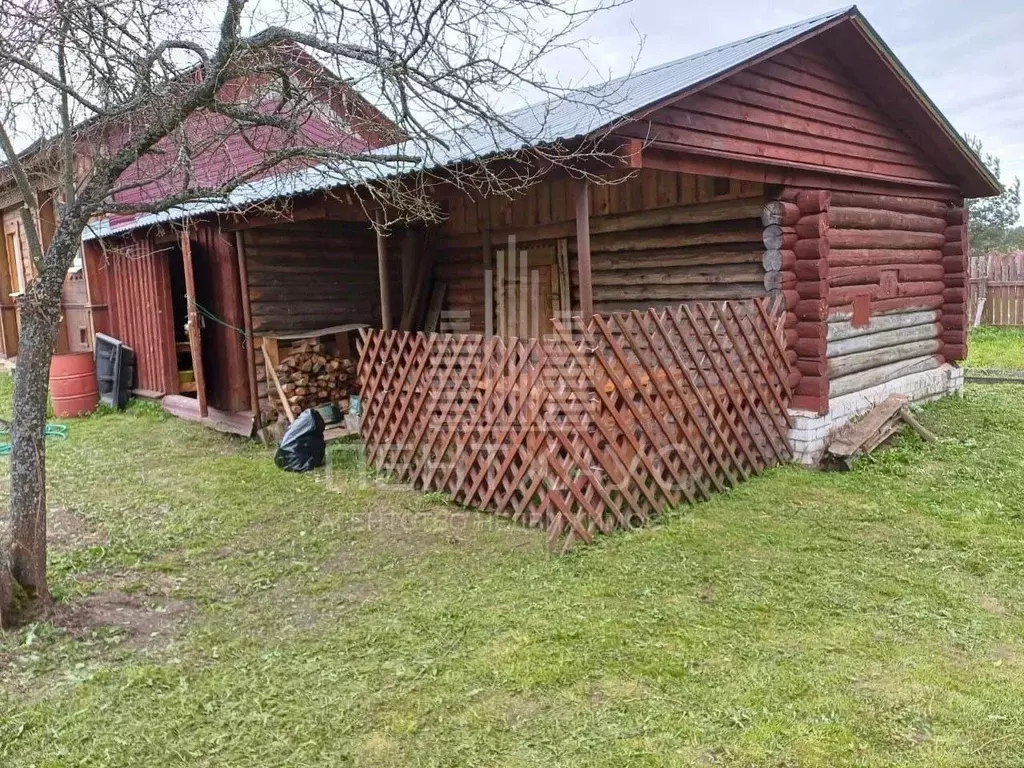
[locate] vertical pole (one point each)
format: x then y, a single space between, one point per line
583 249
485 248
250 351
382 275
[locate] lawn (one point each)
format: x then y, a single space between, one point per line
871 618
996 348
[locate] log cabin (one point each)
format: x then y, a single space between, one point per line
804 164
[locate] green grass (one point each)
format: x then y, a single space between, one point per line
871 618
996 348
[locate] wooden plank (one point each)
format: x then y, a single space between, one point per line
194 330
433 316
250 350
850 440
271 367
382 274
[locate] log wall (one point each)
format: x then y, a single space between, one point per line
879 289
657 238
799 109
316 274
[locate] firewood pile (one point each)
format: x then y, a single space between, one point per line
311 376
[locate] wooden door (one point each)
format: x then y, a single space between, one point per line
530 292
9 283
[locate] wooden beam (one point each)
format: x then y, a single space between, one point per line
667 157
632 151
382 275
270 363
195 340
583 249
250 352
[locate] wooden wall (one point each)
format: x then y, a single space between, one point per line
877 289
801 109
657 238
141 310
316 274
219 291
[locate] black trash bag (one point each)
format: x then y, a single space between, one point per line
302 448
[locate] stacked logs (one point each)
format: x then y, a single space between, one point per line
310 377
804 245
954 296
887 248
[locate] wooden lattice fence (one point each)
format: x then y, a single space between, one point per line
597 428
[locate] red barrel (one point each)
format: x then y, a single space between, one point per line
73 387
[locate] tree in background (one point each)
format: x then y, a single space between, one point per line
92 86
994 220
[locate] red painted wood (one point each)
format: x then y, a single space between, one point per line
668 157
861 310
218 288
141 313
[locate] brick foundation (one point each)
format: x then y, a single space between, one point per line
810 431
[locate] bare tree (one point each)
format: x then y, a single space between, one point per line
119 97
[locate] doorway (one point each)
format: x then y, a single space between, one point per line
187 379
532 290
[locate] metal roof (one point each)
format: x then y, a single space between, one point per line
586 110
245 195
573 115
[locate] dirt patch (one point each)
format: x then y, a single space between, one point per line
132 582
994 606
148 624
65 529
1007 655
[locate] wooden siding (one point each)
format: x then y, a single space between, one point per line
799 109
218 290
640 258
141 311
316 274
997 279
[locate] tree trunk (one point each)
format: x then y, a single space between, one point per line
40 319
6 586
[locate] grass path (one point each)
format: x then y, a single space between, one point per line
872 618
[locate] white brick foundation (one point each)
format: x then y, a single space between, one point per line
810 431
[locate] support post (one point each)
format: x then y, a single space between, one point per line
583 249
195 339
382 275
250 352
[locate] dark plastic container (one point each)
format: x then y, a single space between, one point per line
115 370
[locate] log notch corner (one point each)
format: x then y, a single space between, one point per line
954 296
796 239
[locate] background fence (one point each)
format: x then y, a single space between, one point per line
997 289
596 428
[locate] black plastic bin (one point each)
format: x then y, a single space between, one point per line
115 370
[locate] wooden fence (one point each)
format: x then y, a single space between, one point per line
595 428
997 289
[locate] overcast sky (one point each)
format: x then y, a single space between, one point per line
968 56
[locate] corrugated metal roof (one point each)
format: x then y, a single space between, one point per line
245 195
590 109
582 112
